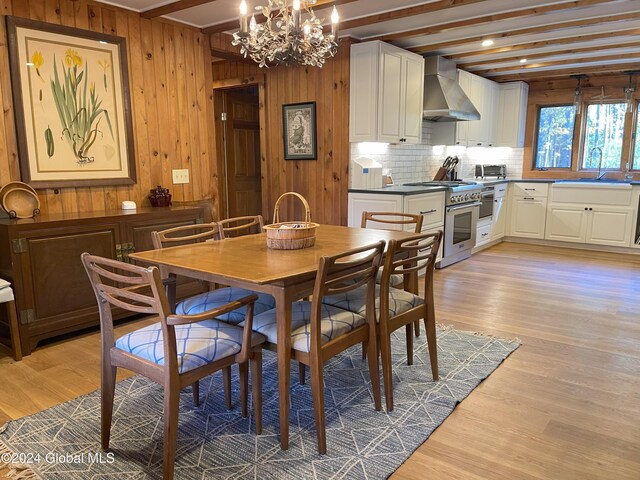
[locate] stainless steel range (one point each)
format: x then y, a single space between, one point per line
462 204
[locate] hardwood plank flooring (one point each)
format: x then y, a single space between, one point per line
565 405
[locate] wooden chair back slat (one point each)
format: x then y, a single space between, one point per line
392 218
177 236
237 226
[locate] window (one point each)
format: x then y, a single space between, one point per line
554 142
636 143
603 136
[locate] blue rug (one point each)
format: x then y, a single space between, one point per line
213 443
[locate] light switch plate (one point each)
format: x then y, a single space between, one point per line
180 176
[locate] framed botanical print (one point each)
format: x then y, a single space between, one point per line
299 127
72 105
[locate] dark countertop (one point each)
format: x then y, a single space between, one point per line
399 190
412 190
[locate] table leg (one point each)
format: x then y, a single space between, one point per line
283 309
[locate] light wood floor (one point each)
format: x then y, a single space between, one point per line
565 405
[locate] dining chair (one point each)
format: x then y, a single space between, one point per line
320 331
392 220
395 307
176 351
210 232
236 226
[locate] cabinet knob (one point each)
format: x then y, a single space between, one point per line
586 208
478 144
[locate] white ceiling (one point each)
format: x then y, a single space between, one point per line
222 11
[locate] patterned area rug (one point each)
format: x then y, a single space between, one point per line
213 443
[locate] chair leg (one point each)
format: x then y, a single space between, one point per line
256 389
416 326
195 389
374 370
409 335
171 405
387 372
430 326
244 388
14 330
365 347
107 393
317 392
226 379
302 373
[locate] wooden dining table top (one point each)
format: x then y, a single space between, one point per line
248 259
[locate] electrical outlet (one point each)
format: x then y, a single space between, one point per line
180 176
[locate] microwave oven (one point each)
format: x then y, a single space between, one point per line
484 171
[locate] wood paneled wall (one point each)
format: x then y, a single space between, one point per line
323 182
170 83
561 91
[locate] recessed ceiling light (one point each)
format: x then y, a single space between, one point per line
487 43
523 60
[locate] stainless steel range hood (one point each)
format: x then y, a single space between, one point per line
444 100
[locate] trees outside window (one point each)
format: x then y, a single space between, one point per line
603 136
554 144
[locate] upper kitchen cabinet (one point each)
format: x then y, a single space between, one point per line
512 112
387 85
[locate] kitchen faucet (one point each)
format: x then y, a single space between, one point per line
599 150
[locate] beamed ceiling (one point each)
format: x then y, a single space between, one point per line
532 39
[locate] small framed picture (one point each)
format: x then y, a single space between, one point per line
299 127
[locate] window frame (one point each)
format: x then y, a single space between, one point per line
634 164
536 135
583 136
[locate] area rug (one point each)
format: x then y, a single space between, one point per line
213 443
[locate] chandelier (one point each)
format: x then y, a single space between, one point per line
285 38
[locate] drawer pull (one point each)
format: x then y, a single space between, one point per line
529 198
484 234
530 189
426 212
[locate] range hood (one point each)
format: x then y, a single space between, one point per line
444 100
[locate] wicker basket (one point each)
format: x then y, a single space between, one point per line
290 238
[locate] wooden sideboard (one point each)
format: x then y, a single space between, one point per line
41 257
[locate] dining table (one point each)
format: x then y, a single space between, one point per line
288 275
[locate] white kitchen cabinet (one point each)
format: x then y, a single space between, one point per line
372 202
429 205
511 114
386 91
566 222
483 232
482 96
595 214
499 219
527 209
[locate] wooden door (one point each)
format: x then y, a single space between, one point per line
242 152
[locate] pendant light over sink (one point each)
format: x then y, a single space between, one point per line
286 37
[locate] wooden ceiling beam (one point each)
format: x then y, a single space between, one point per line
544 43
405 12
468 22
173 7
552 53
555 27
235 24
617 68
521 67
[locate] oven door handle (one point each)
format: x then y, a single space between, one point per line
466 205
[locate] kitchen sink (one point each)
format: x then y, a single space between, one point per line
595 181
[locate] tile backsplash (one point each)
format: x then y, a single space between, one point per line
416 163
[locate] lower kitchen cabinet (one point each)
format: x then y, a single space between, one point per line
600 225
41 258
527 217
499 219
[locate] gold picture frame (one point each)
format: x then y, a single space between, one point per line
72 105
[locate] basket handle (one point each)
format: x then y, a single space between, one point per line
276 209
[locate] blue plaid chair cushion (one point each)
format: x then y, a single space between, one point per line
222 296
355 301
335 322
197 343
396 280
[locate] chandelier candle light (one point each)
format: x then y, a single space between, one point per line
284 38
